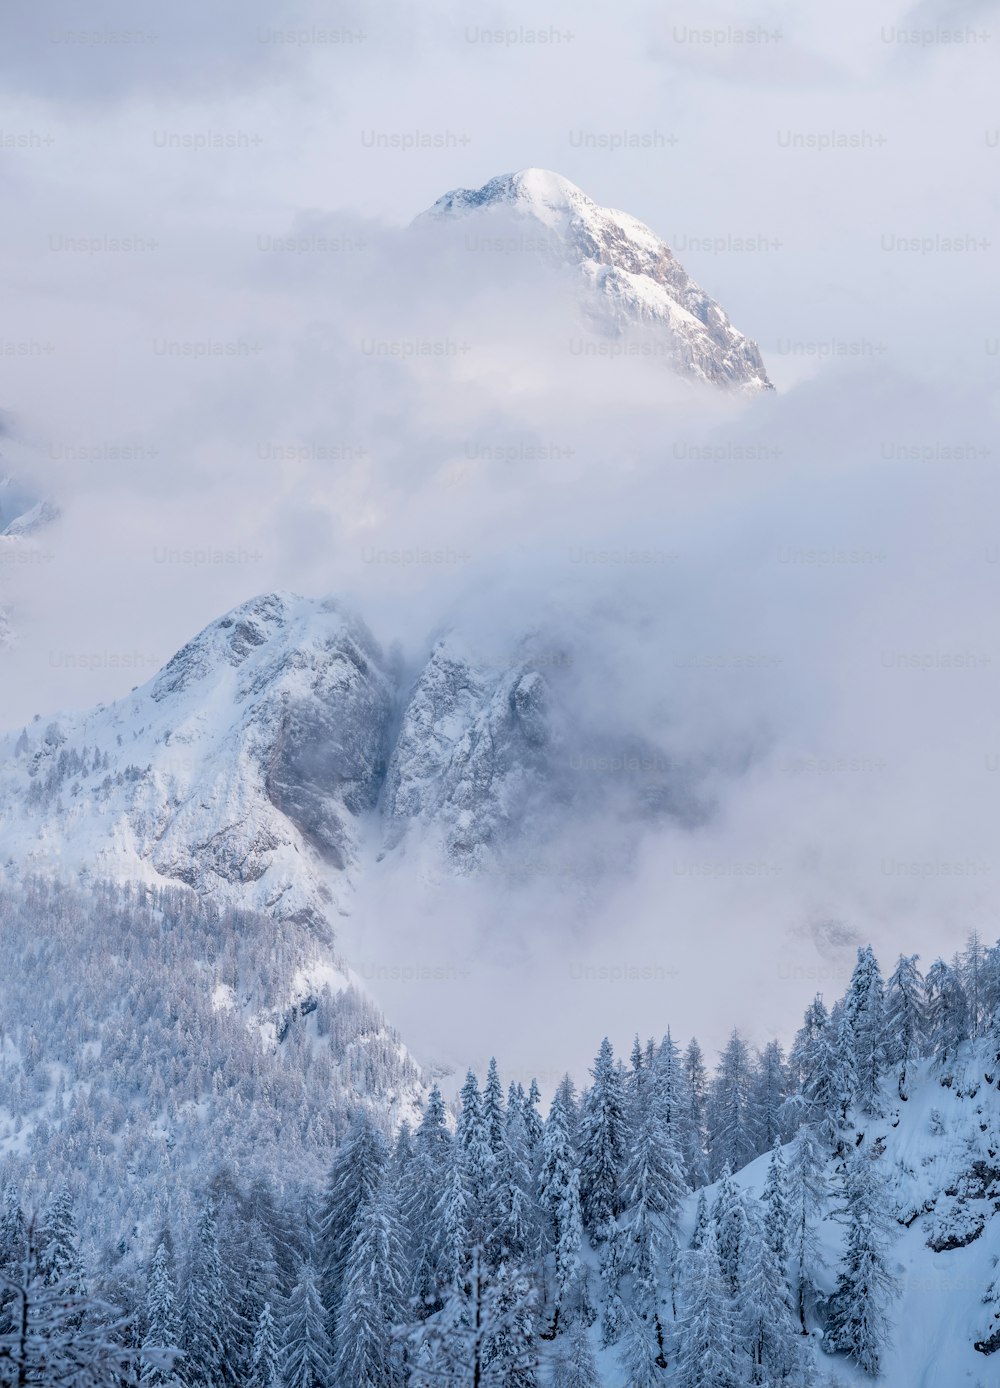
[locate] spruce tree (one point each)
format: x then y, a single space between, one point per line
905 1020
533 1125
13 1248
162 1316
602 1145
559 1199
765 1327
729 1218
813 1061
696 1089
206 1316
421 1185
701 1221
494 1114
355 1176
515 1234
864 1023
769 1091
60 1256
307 1353
654 1190
510 1352
478 1160
474 1338
947 1014
265 1354
777 1214
971 967
859 1322
730 1114
451 1238
807 1187
706 1349
367 1356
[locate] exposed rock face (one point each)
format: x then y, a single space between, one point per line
629 276
265 756
474 749
240 770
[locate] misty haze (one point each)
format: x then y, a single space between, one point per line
498 740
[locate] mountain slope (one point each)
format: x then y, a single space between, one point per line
629 279
265 759
238 771
939 1152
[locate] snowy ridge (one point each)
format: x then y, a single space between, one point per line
256 766
629 277
237 771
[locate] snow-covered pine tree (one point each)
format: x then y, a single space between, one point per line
603 1140
402 1148
991 990
633 1079
261 1285
769 1091
813 1062
859 1319
559 1199
516 1215
62 1339
696 1089
654 1190
642 1351
478 1161
567 1096
450 1236
533 1125
774 1198
947 1014
60 1256
702 1219
455 1348
13 1231
206 1319
864 1020
422 1182
163 1325
971 968
367 1355
265 1354
729 1219
510 1353
845 1073
765 1326
730 1114
494 1114
307 1352
13 1247
679 1110
905 1020
706 1350
807 1188
355 1176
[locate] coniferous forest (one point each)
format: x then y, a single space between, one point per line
698 1224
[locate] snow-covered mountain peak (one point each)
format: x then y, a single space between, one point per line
269 635
629 278
535 192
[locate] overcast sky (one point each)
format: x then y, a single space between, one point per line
712 124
